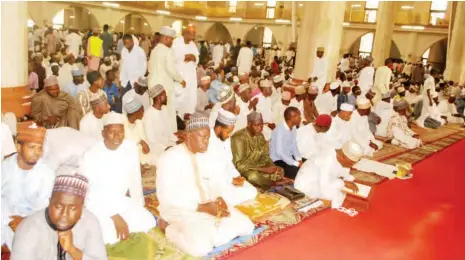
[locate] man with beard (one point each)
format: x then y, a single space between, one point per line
63 230
283 144
91 123
310 110
115 192
311 137
133 61
339 133
26 181
191 202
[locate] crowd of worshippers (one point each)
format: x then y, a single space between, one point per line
217 132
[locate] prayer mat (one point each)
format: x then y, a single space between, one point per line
148 178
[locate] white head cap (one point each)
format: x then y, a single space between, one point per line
112 118
363 103
236 79
131 103
353 151
277 79
347 107
244 87
334 85
225 117
266 83
167 31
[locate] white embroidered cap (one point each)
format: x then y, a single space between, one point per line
353 151
347 107
112 118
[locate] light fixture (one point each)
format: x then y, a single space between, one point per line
259 4
345 24
163 12
202 18
111 4
282 21
121 21
71 16
300 5
145 24
356 6
88 12
132 28
236 19
406 7
410 27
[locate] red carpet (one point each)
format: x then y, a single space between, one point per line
422 218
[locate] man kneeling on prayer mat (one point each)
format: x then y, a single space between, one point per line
91 124
251 154
53 108
158 135
360 128
26 181
219 159
448 109
311 136
398 128
191 202
64 230
115 189
134 127
339 133
325 175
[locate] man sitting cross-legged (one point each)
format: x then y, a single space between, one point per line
115 188
26 181
326 173
91 124
398 128
191 201
251 154
63 230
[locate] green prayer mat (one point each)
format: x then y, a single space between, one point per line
146 246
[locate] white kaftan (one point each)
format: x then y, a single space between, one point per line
365 79
136 133
133 65
8 145
381 85
108 184
202 102
157 135
23 192
320 177
91 126
278 112
309 141
194 232
188 70
385 111
217 54
339 133
244 60
427 110
64 75
264 106
447 109
400 133
163 71
326 103
360 133
320 70
242 117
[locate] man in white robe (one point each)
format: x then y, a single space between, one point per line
366 76
277 89
339 133
140 91
157 135
429 108
280 106
245 58
133 62
204 106
385 111
312 137
320 69
298 101
162 71
360 128
197 215
383 76
326 174
226 100
186 58
264 107
219 159
91 123
27 181
398 128
8 144
246 106
115 188
448 109
218 53
326 103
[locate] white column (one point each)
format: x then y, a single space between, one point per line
294 22
383 34
455 68
321 28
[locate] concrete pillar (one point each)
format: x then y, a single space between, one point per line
383 34
455 66
294 22
321 29
14 79
410 51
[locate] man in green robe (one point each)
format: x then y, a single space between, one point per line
251 156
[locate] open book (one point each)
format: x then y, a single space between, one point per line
363 190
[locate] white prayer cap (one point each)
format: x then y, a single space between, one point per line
299 90
353 151
386 95
313 89
197 123
400 104
363 103
143 81
54 64
286 95
266 83
225 117
131 103
50 81
265 74
244 87
228 75
334 85
243 74
277 78
347 107
225 94
155 90
205 79
167 31
112 118
236 79
77 71
435 94
345 84
400 89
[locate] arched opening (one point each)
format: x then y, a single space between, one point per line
363 47
395 53
133 23
436 55
76 16
261 36
218 32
